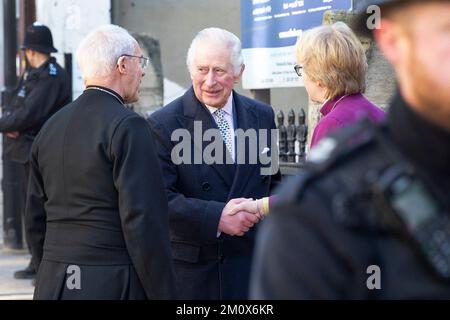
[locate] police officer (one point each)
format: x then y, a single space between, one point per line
369 216
42 90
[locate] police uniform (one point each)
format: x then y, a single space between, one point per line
352 225
39 94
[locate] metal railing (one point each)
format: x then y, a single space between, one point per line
292 141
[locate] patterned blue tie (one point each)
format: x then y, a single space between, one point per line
224 128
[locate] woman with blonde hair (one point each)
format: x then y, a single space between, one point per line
333 65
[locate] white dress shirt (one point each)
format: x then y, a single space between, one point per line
228 109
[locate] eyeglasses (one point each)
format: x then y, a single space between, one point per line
298 69
143 60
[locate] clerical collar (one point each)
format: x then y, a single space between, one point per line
108 91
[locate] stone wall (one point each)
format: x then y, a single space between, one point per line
152 87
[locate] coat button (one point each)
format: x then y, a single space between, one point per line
206 186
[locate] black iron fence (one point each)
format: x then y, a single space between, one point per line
292 141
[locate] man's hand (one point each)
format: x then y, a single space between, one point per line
238 223
252 206
13 134
248 205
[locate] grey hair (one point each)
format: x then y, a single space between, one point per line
99 51
217 35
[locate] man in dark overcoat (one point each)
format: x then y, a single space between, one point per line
96 208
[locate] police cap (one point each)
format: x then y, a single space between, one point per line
38 37
359 23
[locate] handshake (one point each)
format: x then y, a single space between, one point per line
240 215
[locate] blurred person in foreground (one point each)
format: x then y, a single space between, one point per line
369 217
96 208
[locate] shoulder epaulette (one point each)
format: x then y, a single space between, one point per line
52 69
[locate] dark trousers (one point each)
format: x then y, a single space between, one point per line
15 185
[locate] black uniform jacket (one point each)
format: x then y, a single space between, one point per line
40 93
327 239
207 266
96 200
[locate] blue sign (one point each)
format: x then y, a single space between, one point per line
269 31
277 23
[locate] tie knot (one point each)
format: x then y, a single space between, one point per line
220 113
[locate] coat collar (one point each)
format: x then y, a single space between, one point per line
334 103
246 119
33 73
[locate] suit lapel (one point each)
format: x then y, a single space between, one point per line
195 111
246 119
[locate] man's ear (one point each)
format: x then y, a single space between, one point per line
239 76
121 65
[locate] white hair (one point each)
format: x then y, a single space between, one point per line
221 36
99 51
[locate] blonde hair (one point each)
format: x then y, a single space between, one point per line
333 56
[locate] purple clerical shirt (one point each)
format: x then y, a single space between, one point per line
342 111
